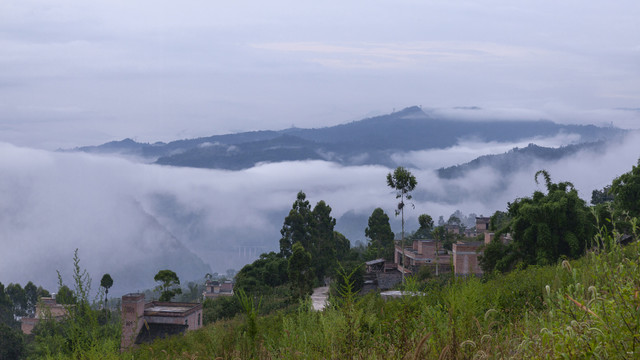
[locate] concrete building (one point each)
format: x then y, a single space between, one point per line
143 322
214 289
422 253
452 228
482 224
47 307
465 258
489 236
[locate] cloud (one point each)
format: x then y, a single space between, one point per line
119 213
468 149
403 55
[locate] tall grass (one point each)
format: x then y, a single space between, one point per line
583 309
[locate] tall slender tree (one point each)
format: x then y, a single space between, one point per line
403 182
106 282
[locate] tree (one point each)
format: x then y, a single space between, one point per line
314 229
11 343
380 236
65 296
6 308
300 272
31 297
169 284
323 246
602 196
403 182
297 226
426 226
19 299
626 191
544 227
106 282
268 271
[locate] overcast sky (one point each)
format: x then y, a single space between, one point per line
86 72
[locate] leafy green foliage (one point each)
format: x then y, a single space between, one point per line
602 196
626 191
169 284
80 334
270 270
223 307
301 273
298 226
544 228
314 229
11 343
380 236
65 296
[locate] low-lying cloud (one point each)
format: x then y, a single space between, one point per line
126 215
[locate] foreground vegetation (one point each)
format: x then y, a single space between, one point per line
587 308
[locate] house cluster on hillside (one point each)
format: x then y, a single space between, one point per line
462 259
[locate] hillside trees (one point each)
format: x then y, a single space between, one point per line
544 228
314 230
268 271
300 271
298 225
626 191
380 236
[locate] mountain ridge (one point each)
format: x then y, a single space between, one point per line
370 141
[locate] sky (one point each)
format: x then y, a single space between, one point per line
78 73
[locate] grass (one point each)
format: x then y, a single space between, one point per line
583 309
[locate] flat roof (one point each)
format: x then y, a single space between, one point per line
172 309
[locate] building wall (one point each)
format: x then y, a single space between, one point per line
482 224
465 259
132 318
45 308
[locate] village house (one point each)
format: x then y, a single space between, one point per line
47 307
380 275
482 224
465 258
422 253
142 322
214 289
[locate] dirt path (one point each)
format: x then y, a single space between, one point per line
319 298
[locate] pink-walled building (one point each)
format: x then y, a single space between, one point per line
145 321
465 258
214 289
47 307
422 252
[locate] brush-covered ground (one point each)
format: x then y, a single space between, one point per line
583 309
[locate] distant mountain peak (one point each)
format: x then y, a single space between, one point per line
374 139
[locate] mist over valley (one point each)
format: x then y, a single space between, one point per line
216 209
